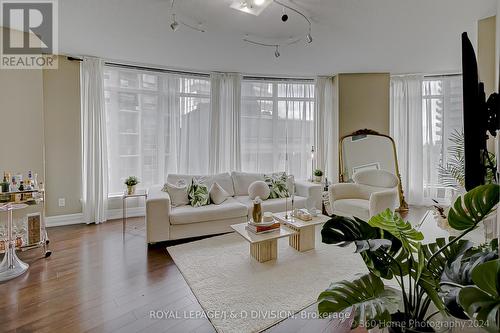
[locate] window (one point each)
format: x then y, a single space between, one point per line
276 118
157 124
441 119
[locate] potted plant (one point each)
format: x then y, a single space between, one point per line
318 175
454 277
131 182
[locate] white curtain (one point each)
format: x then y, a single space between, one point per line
326 128
277 126
225 123
407 131
94 141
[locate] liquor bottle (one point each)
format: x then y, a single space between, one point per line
21 186
5 183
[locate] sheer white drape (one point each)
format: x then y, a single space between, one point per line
94 141
225 120
407 132
326 128
158 124
425 113
277 120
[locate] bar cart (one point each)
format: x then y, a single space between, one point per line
11 266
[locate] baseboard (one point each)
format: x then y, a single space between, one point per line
60 220
113 214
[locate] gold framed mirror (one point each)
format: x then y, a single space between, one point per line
367 149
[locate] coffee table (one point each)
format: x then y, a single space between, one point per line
263 247
305 237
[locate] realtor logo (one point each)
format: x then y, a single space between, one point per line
29 34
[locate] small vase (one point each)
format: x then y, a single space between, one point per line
257 213
130 190
317 179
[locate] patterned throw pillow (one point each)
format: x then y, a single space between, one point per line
198 193
277 183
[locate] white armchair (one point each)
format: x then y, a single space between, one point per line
372 192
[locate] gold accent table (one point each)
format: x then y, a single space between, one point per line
305 237
263 247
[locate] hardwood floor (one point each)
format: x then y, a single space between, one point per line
98 281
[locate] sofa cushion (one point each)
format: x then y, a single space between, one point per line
230 208
223 179
279 185
376 178
178 194
352 207
217 194
272 205
242 181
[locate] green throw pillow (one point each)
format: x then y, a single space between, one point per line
278 185
198 194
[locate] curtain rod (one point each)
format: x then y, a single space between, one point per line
429 75
144 68
443 75
178 72
265 78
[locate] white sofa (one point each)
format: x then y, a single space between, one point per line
372 192
165 222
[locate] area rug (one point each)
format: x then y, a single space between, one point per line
242 295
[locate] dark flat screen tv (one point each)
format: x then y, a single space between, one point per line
480 117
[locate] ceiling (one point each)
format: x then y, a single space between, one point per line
397 36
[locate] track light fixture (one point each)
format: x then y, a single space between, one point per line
175 23
284 17
309 38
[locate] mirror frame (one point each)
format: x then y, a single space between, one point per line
403 205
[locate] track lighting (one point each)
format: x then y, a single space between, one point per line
309 38
284 18
175 25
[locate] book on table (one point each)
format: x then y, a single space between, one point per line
257 229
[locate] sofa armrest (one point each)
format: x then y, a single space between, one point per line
380 201
307 189
157 215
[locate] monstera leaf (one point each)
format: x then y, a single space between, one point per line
482 301
400 229
447 255
342 231
476 205
458 273
370 300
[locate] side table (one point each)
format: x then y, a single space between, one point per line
125 196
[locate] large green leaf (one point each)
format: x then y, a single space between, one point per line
458 273
475 206
393 223
482 301
370 300
342 231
